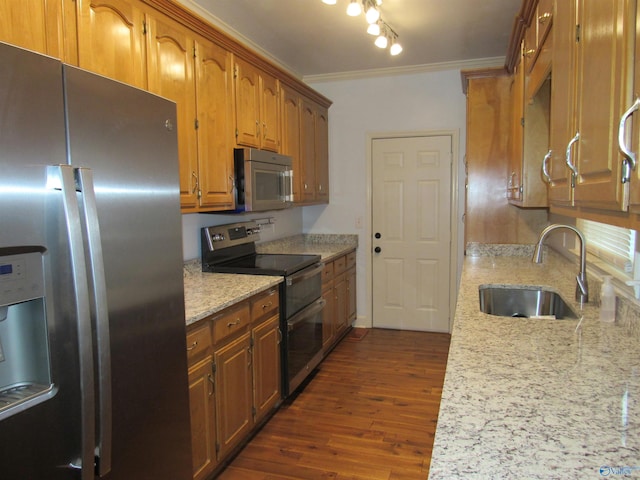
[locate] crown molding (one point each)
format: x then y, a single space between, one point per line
490 62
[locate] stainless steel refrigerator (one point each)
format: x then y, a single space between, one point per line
93 369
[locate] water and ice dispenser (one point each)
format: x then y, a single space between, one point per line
25 373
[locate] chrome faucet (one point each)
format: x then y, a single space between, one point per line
582 287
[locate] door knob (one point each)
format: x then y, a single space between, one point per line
377 249
377 235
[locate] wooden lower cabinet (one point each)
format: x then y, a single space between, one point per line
203 418
234 377
339 291
234 395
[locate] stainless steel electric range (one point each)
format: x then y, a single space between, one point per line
232 249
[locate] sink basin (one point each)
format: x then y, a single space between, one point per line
522 301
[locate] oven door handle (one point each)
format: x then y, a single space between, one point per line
304 274
297 320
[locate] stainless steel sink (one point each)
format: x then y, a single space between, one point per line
523 301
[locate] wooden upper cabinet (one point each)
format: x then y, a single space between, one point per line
634 198
604 67
314 150
322 155
214 77
308 151
257 107
111 39
32 24
170 49
562 123
291 111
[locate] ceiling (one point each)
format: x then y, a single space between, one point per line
311 39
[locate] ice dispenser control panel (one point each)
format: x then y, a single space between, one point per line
21 278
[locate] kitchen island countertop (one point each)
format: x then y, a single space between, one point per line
537 398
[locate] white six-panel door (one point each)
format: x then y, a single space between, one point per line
411 215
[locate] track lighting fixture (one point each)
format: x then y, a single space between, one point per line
376 26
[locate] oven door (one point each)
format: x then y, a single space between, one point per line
304 343
302 289
267 186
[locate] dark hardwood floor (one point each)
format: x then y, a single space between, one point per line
369 413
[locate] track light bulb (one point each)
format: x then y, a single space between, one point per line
329 2
395 49
381 41
372 15
373 29
354 9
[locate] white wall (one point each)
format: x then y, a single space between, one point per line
361 108
287 223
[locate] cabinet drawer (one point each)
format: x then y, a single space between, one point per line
351 259
327 273
231 322
198 342
339 265
264 303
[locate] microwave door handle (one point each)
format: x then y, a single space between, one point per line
62 177
288 177
304 274
103 343
299 319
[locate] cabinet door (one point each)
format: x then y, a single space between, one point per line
247 101
604 62
322 155
351 295
266 366
291 111
32 24
215 125
269 113
328 317
516 139
340 290
234 395
203 419
562 125
308 149
110 39
634 200
170 66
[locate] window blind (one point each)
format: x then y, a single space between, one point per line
613 245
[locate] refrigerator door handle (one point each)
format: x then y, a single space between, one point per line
103 341
62 177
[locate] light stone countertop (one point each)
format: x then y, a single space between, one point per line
328 246
208 293
537 399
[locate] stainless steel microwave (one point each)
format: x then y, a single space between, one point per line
263 180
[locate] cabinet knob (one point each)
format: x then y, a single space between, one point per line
377 235
377 249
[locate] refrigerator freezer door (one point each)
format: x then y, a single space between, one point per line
42 441
127 138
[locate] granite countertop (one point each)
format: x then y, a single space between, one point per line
208 293
537 398
328 246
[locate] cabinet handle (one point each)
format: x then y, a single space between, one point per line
250 353
279 335
264 130
545 171
544 17
629 162
232 181
568 160
319 187
257 128
195 187
234 323
193 345
213 384
266 305
530 52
